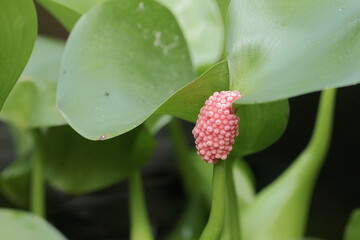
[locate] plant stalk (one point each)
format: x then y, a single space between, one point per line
139 219
37 177
215 224
232 211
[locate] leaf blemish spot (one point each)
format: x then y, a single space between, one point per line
159 43
107 93
342 9
140 7
103 137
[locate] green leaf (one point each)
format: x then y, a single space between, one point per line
187 102
20 225
18 27
32 102
280 210
200 21
122 60
352 230
202 25
279 49
76 165
260 125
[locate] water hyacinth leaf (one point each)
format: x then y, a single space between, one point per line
200 21
279 49
22 225
260 125
76 165
187 102
352 230
32 103
280 210
118 55
18 27
202 25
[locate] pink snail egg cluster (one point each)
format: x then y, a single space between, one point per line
216 127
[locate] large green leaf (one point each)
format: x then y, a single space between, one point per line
260 125
352 230
200 21
32 102
76 165
20 225
202 25
187 102
279 49
122 60
73 164
18 27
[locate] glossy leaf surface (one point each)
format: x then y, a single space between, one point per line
76 165
22 225
279 49
122 60
200 21
352 230
202 26
260 125
187 102
32 102
18 27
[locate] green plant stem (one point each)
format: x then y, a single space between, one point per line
320 141
216 220
310 161
232 206
181 151
140 224
37 177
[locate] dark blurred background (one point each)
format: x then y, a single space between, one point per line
104 214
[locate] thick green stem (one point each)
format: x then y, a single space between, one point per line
310 161
232 211
216 220
140 224
320 140
37 177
